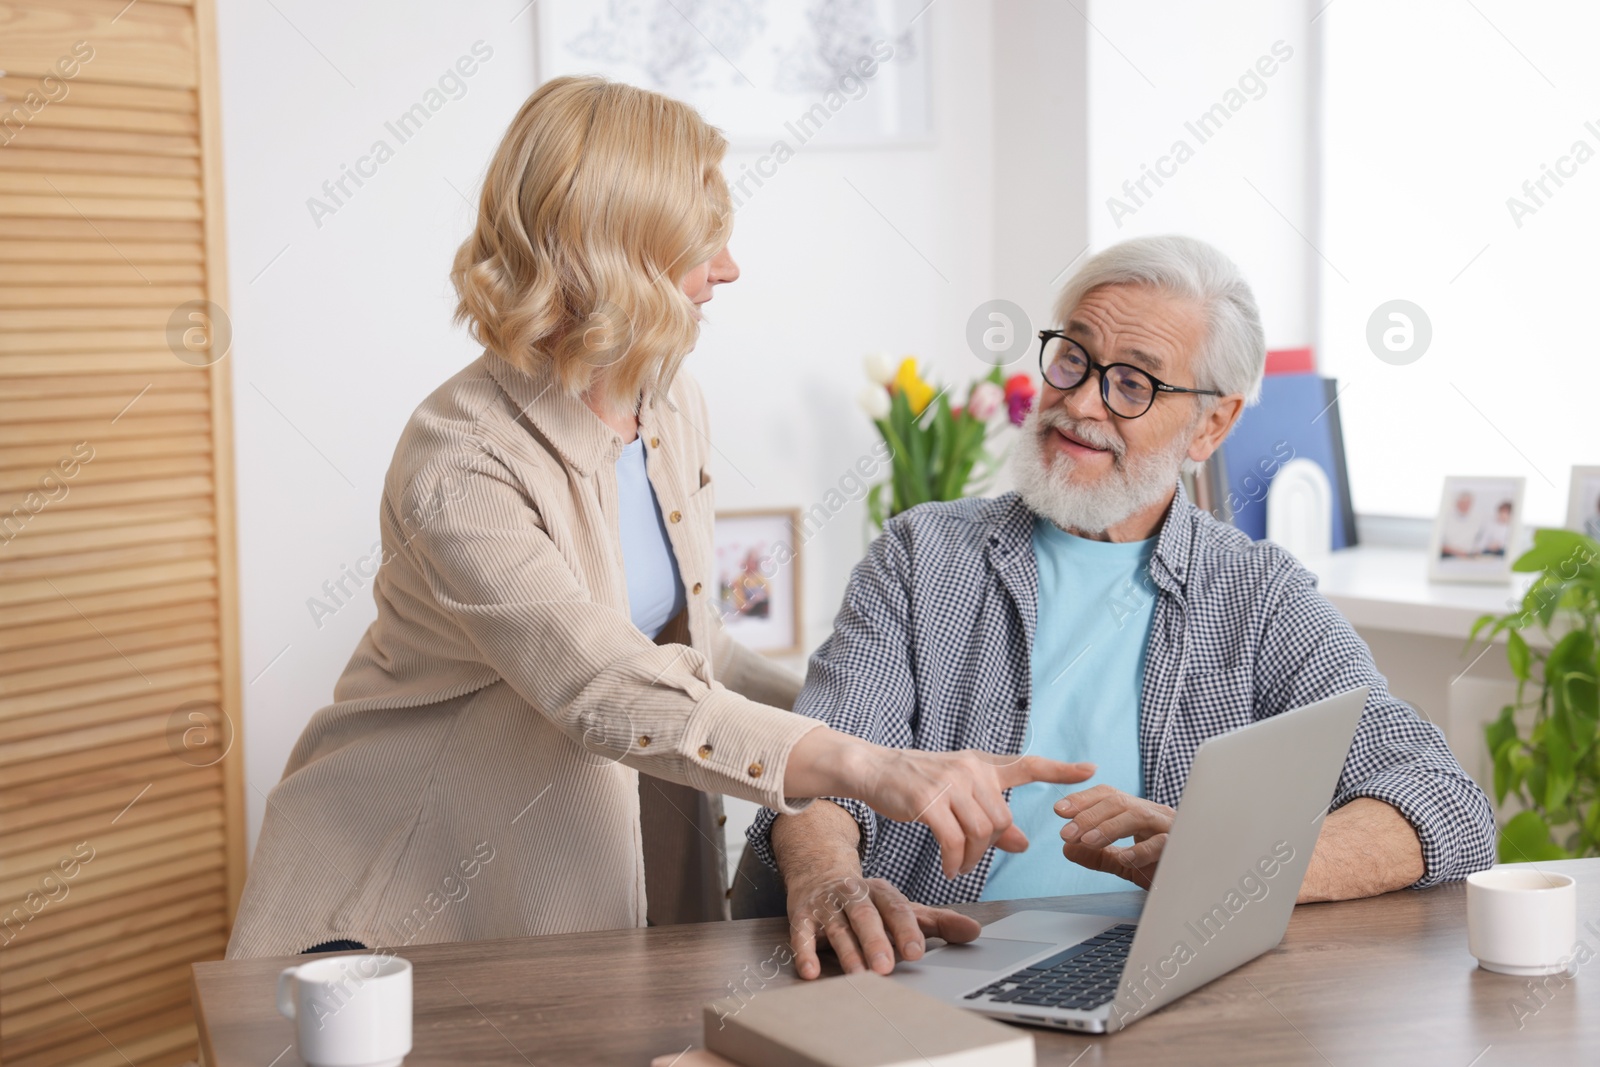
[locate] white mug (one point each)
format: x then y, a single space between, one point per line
1522 921
349 1011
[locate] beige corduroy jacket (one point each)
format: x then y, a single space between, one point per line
479 772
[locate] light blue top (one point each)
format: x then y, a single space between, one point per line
655 589
1096 606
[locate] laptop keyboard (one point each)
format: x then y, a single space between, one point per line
1082 977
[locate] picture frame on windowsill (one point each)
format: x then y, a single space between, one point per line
1477 530
1583 502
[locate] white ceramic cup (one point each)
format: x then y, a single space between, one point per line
1522 921
349 1011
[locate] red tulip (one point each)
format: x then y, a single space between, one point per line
1020 385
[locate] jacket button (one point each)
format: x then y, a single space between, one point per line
655 442
697 587
676 516
705 751
644 740
756 769
1022 703
722 820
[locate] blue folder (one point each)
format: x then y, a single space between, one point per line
1297 418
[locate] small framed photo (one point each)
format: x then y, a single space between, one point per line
1583 502
758 578
1478 530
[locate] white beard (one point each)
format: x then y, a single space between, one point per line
1130 486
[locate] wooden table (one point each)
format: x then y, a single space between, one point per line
1385 980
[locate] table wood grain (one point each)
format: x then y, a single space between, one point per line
1378 981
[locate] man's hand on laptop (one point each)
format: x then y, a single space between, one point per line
1099 817
867 921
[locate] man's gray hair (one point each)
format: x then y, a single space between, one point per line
1234 355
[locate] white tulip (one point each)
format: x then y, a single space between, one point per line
880 367
874 401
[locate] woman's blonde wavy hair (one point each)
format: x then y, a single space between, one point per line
600 198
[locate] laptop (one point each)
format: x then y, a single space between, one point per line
1222 894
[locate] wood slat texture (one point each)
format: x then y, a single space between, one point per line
122 273
85 297
129 767
164 589
118 600
72 186
149 713
147 44
83 927
119 98
110 160
131 424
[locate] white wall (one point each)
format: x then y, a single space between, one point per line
1041 224
827 278
1155 68
340 330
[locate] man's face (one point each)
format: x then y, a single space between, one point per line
1124 324
1088 465
1463 504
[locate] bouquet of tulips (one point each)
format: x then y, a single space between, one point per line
941 451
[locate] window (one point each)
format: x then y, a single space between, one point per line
1460 171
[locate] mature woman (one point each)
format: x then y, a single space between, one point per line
546 630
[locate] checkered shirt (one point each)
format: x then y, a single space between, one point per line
931 650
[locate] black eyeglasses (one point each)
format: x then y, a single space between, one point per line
1126 390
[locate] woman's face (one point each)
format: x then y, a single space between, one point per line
701 280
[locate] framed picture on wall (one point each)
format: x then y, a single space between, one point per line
1583 502
772 77
758 578
1478 530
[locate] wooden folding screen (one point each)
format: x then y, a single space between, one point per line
121 844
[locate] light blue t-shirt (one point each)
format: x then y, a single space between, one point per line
655 589
1096 606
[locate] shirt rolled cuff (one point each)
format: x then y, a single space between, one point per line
759 833
737 747
1455 843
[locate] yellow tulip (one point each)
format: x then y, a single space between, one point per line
918 392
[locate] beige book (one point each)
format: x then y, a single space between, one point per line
858 1020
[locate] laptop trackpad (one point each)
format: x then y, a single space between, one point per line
985 954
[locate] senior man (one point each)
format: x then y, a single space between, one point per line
1095 614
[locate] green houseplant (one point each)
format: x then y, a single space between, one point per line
1553 769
